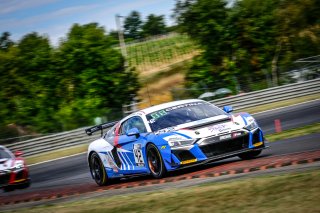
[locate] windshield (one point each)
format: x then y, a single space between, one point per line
4 154
181 114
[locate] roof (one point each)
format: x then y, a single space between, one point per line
166 105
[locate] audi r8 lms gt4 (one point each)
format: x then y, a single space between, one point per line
13 170
171 136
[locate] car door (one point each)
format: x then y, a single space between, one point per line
130 147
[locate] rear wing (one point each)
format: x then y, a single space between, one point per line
100 127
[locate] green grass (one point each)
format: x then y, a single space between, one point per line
294 192
56 154
292 133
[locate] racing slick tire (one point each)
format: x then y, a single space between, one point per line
25 185
250 155
97 170
155 161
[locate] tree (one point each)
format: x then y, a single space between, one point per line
95 79
298 24
249 41
36 101
154 25
5 41
114 36
28 85
252 35
8 84
205 21
132 25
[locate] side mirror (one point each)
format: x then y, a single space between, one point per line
227 109
133 132
18 153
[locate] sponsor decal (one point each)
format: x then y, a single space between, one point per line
188 161
138 156
157 115
163 147
225 137
175 137
219 128
197 132
170 129
183 105
236 134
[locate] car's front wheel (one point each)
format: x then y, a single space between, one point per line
250 155
97 170
155 162
25 185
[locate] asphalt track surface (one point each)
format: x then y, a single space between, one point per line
290 117
73 171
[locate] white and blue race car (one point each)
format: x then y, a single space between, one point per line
171 136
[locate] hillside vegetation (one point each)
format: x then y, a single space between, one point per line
153 55
161 62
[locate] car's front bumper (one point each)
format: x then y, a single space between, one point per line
14 178
217 148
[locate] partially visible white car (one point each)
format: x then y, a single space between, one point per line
14 172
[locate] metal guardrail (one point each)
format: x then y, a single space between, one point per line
52 142
271 95
252 99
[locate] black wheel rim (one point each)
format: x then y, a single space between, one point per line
154 161
96 169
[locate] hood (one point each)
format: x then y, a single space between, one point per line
214 126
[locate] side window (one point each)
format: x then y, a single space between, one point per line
134 122
124 127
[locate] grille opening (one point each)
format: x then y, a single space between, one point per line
19 175
183 155
4 179
256 136
225 146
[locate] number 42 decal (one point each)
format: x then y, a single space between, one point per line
138 156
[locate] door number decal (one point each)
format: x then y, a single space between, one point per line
138 156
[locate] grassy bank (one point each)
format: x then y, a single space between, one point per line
292 133
295 192
56 154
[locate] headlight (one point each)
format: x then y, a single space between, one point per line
251 126
178 140
18 165
182 142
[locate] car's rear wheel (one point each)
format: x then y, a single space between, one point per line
155 162
97 170
250 155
